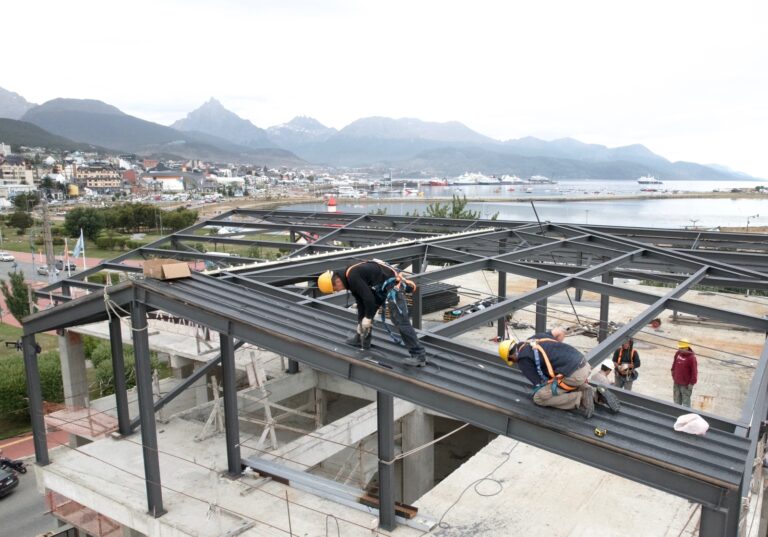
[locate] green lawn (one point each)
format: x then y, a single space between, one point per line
11 333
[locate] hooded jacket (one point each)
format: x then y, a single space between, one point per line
685 369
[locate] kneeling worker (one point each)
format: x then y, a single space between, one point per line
374 284
559 374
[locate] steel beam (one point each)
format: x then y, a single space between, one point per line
416 309
231 422
612 342
146 408
35 399
605 301
385 419
541 310
118 373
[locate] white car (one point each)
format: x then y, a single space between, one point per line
5 256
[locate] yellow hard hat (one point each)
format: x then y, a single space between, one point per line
683 344
504 349
325 282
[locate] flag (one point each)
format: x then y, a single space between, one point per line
79 246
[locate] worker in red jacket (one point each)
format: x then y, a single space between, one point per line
685 373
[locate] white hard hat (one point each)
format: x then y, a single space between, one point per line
607 363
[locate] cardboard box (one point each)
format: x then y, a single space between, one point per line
166 269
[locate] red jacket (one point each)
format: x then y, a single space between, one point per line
684 367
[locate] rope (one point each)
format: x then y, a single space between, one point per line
424 446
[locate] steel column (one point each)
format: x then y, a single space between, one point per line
541 310
416 309
605 301
231 424
35 396
146 409
118 372
501 331
385 414
579 263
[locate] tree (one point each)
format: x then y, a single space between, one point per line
21 220
456 209
14 403
16 295
25 201
90 220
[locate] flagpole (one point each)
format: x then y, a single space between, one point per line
66 256
83 238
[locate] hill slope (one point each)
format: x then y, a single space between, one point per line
16 132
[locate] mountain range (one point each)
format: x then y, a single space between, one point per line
409 145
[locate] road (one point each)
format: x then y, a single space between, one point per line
23 512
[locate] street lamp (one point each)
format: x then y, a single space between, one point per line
693 221
751 218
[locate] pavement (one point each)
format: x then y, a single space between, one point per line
23 512
28 264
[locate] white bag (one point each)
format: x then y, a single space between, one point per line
691 424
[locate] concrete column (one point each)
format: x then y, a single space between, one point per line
72 357
419 468
321 406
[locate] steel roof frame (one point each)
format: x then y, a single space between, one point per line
557 256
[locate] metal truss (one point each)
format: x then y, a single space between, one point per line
261 301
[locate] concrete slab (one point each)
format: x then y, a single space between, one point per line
510 488
107 476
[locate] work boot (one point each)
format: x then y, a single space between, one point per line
605 396
354 340
418 360
366 341
587 403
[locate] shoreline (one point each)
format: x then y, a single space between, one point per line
563 199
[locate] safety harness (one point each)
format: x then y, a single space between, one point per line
387 291
631 369
551 378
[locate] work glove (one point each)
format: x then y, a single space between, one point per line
365 327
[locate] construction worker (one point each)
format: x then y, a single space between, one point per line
626 361
685 373
374 284
600 375
558 372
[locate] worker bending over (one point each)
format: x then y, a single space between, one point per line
558 372
375 284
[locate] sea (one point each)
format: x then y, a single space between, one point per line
679 213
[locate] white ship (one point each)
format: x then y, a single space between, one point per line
649 180
541 180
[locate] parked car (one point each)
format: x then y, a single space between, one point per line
8 482
43 270
5 256
60 265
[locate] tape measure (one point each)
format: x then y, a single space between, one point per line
600 432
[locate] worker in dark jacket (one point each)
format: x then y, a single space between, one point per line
626 361
558 372
375 284
685 373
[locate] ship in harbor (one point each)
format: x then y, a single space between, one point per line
541 180
649 180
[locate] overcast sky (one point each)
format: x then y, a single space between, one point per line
689 79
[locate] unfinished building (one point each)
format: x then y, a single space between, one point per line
284 430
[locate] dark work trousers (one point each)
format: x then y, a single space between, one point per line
403 324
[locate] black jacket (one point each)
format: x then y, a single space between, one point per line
362 279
